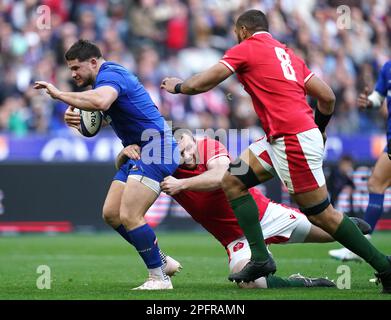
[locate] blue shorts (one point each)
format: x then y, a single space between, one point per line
154 171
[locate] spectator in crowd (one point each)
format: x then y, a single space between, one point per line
151 36
340 177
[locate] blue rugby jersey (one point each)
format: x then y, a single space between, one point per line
133 111
383 87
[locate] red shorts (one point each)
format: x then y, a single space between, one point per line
296 159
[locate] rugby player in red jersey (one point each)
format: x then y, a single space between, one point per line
196 186
278 82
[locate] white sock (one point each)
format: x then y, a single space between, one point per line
158 273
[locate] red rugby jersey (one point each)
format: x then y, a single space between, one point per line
274 77
211 209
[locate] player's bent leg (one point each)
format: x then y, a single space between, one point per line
345 232
244 173
136 200
111 210
378 182
380 178
316 206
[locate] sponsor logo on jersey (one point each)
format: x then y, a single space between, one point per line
292 216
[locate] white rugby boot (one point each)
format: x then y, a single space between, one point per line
344 254
154 283
171 267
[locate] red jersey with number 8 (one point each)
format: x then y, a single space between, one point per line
274 77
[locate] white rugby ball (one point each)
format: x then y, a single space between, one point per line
90 122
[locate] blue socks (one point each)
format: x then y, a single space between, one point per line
374 209
124 233
145 241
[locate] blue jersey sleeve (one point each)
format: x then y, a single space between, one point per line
111 79
381 84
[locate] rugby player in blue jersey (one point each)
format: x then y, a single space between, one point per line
380 178
128 108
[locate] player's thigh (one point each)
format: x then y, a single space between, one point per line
380 178
137 198
111 207
298 160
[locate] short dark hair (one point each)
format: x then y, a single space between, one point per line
253 20
177 132
83 50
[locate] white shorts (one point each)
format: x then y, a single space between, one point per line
296 159
279 225
148 182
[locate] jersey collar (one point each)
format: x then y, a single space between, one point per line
260 32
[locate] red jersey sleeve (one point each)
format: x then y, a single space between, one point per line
307 73
235 58
210 149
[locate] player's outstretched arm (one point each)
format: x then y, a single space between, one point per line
201 82
99 99
208 181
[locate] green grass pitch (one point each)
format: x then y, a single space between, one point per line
104 266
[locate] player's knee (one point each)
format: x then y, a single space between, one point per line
110 216
328 220
131 221
232 186
376 185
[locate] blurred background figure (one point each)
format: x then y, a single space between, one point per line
151 37
340 177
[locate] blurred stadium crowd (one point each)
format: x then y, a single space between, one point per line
158 38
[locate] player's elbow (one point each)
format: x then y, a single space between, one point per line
330 98
101 105
327 102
